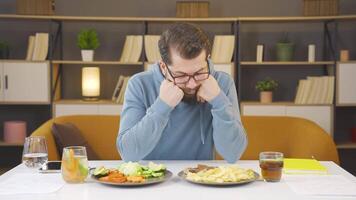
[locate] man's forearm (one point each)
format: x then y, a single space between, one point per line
135 142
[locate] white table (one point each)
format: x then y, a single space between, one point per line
175 188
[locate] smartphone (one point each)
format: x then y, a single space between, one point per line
51 167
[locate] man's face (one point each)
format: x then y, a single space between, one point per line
181 67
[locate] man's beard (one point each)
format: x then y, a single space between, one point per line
190 98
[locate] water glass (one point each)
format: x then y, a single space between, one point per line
35 152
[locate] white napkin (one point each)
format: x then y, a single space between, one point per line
31 183
330 185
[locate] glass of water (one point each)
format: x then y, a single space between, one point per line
35 152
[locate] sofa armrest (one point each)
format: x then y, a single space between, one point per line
46 131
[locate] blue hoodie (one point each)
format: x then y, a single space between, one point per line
152 130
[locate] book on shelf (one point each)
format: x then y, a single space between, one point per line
223 48
151 48
40 49
227 68
30 47
259 53
120 99
118 87
315 90
132 48
303 166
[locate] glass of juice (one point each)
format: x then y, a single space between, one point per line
74 164
271 164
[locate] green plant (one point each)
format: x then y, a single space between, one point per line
266 85
88 39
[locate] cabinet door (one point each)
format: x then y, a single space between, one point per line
345 84
110 109
75 109
264 110
26 82
321 115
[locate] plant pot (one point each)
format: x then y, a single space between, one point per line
266 97
88 55
284 51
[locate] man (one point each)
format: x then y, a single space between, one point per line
181 109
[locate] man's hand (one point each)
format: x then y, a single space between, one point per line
170 93
208 90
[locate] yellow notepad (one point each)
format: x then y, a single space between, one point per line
303 166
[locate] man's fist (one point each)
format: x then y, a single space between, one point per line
208 90
170 93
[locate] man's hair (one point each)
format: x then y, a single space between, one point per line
187 39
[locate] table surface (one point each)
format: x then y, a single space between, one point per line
175 188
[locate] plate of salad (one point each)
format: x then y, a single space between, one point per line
131 174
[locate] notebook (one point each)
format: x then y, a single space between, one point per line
303 166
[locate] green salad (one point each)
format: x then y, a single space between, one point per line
152 170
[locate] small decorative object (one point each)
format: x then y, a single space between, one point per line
4 50
285 49
35 7
91 83
344 55
259 56
311 53
192 9
88 42
14 131
353 134
266 88
321 7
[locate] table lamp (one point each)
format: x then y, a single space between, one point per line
91 83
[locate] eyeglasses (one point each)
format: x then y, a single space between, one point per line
185 78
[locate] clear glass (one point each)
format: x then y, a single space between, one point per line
74 164
271 164
35 153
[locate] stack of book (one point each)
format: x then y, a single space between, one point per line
37 49
119 91
223 48
132 49
151 48
315 90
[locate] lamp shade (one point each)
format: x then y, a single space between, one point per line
90 82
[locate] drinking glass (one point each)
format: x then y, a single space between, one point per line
74 164
35 153
271 164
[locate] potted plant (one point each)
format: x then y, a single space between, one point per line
4 50
285 49
266 88
88 42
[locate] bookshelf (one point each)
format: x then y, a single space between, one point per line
78 62
346 145
293 63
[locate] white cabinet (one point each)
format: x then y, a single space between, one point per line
25 82
345 84
78 107
320 114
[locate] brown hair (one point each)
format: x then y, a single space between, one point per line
187 39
